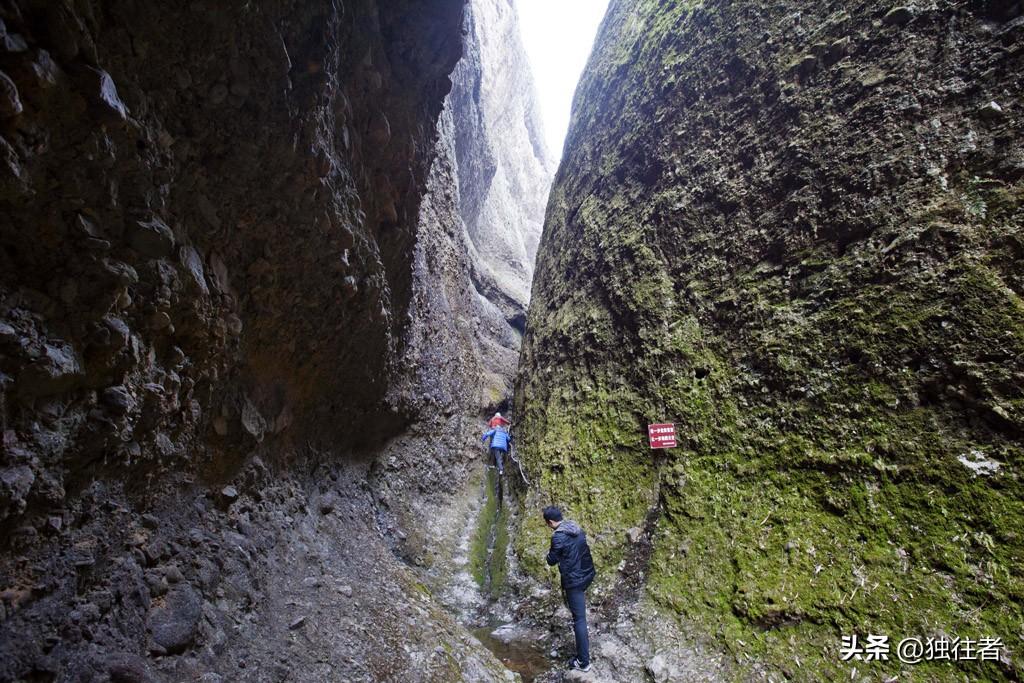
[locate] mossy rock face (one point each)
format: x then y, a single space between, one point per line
819 282
489 545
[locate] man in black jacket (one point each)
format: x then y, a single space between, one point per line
569 550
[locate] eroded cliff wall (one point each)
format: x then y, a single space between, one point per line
479 224
505 168
795 230
222 299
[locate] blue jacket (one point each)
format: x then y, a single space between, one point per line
499 438
569 550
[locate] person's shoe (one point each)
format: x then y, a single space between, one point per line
501 472
575 664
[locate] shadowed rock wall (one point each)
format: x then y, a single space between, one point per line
795 231
183 204
220 299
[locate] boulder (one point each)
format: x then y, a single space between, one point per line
15 483
193 265
152 238
252 421
57 370
118 400
991 111
10 101
103 93
128 668
173 624
898 16
661 670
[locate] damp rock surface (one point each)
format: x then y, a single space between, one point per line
230 296
794 231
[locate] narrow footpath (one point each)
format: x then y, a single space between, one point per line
524 624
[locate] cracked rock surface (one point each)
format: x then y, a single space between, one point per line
238 337
795 231
505 168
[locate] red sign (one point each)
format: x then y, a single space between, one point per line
662 435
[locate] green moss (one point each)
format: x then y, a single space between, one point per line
478 550
499 563
651 26
817 489
489 546
749 556
827 365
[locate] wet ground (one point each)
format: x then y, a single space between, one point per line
522 625
516 647
466 586
526 659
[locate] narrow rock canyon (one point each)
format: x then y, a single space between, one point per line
266 268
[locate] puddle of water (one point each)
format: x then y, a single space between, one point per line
525 659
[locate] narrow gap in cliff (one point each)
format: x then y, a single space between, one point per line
510 111
557 37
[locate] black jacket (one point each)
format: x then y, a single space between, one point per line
569 550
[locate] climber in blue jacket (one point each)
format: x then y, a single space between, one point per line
500 440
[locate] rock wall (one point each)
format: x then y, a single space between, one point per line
793 229
480 215
505 169
230 330
151 297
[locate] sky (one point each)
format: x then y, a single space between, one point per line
557 35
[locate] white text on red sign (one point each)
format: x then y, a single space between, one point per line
662 435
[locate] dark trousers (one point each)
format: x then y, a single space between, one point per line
576 601
498 455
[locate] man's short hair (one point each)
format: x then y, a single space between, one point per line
552 514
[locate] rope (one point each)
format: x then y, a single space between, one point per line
512 454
